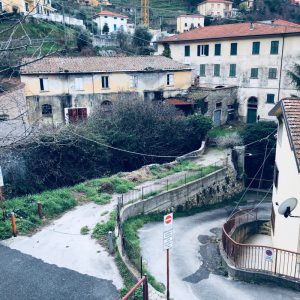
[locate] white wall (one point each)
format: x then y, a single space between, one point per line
111 21
184 23
286 234
217 9
244 62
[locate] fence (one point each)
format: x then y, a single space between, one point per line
258 258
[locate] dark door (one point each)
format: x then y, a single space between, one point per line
251 115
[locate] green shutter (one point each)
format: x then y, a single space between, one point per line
274 47
217 49
255 48
217 70
187 50
233 49
232 70
202 70
270 98
254 73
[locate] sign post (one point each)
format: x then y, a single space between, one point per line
1 192
168 243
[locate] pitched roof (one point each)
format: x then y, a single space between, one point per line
177 102
244 30
215 1
111 14
191 16
98 64
290 109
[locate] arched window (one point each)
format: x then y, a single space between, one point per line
46 109
106 106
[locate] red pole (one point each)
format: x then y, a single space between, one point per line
126 297
13 224
168 275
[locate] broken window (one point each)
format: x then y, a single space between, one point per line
46 109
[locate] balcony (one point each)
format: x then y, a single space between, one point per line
244 248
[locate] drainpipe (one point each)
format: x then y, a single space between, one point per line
280 72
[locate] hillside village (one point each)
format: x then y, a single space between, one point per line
149 149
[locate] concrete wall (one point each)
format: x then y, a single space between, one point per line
244 60
210 189
58 18
287 230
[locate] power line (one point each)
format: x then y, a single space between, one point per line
246 190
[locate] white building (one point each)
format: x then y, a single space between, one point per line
215 8
188 22
254 57
286 231
113 20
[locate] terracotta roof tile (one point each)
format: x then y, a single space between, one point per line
97 64
111 14
236 30
291 109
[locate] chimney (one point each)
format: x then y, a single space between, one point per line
251 26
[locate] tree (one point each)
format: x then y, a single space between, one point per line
83 39
105 29
124 40
167 50
141 41
295 75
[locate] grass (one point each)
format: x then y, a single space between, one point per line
225 130
84 230
203 171
100 190
25 208
101 229
159 171
56 202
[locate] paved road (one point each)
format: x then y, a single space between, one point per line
24 277
191 276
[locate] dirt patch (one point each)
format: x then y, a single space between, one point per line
140 175
79 197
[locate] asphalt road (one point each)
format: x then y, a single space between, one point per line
25 277
194 261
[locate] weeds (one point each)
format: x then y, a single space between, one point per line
84 230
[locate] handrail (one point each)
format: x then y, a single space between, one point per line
255 257
133 289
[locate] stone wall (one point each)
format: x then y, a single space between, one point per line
60 102
211 189
216 99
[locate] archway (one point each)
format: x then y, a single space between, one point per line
252 110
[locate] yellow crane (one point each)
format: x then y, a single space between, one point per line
145 12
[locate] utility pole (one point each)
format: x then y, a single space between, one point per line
64 24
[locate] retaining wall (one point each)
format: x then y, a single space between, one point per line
210 189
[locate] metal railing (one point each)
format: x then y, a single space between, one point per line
142 282
258 258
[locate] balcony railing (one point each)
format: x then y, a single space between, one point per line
258 258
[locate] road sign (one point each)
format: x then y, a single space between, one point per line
168 231
269 255
1 178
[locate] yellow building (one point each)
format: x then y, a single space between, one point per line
42 7
215 8
63 89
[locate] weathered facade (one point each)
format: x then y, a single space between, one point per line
60 90
189 21
256 57
220 104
